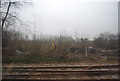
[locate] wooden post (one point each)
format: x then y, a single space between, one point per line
86 52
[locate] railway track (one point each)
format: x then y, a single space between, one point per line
61 72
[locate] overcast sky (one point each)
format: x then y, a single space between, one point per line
70 17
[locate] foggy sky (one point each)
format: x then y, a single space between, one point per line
71 17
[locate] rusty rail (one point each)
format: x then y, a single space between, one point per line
59 72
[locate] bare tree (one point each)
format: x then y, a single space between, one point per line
106 41
8 16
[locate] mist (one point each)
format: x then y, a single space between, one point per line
70 17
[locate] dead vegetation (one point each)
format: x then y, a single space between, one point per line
57 50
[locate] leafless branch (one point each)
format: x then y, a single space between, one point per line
13 17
